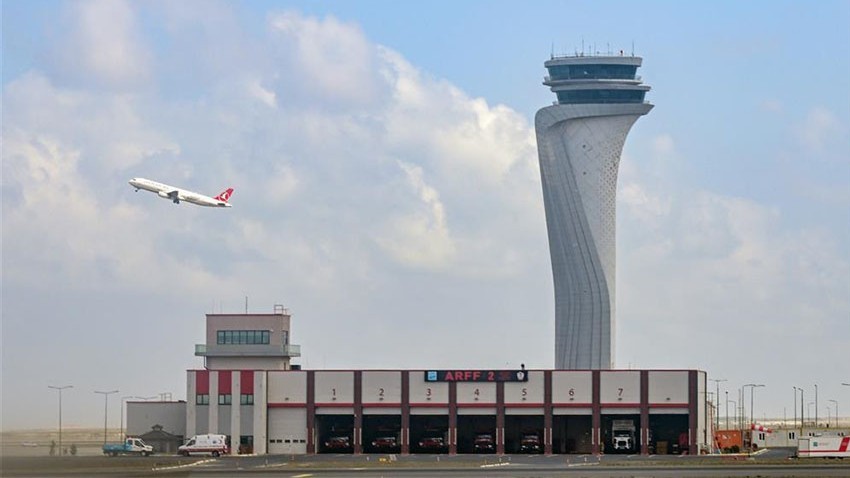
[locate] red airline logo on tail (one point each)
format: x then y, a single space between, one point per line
225 195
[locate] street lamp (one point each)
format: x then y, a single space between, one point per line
122 413
105 407
717 399
734 407
836 412
60 411
816 405
753 387
795 406
802 401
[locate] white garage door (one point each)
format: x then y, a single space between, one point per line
288 431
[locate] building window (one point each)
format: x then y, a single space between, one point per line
246 399
202 399
225 399
243 337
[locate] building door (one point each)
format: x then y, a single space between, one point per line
287 431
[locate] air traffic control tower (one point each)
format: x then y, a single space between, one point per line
579 142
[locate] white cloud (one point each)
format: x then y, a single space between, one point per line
110 129
819 127
105 47
332 60
420 238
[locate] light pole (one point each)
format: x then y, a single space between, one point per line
753 387
60 411
795 406
734 408
727 409
802 401
122 414
105 407
717 399
816 405
836 412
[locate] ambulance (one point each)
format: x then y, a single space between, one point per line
209 444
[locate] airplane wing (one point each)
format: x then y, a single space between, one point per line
174 196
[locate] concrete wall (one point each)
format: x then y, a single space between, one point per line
141 416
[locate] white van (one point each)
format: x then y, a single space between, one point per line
209 444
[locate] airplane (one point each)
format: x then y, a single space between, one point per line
176 194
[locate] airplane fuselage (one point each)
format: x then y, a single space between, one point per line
176 195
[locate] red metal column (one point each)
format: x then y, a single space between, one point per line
358 412
311 411
596 409
693 412
500 418
404 433
644 412
452 418
547 412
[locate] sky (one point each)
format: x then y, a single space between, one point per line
387 190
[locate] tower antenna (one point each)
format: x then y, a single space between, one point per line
633 48
552 51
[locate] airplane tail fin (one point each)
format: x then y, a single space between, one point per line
225 195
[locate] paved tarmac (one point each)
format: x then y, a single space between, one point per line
775 463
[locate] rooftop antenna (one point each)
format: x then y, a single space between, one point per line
582 46
246 304
552 51
633 48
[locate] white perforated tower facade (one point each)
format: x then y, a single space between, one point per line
579 141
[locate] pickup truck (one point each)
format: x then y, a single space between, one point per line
432 443
131 446
530 443
338 443
483 443
386 443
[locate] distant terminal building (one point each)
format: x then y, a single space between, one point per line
579 140
251 392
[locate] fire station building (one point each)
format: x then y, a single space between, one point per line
251 392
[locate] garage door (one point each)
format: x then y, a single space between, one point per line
288 431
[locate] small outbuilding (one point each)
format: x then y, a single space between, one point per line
162 441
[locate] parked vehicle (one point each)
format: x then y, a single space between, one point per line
338 443
623 435
833 446
432 443
385 443
131 446
483 443
209 444
530 443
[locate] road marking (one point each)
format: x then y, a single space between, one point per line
181 466
303 475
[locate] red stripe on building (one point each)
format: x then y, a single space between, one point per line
224 382
844 443
202 382
247 380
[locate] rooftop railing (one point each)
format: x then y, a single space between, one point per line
247 350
